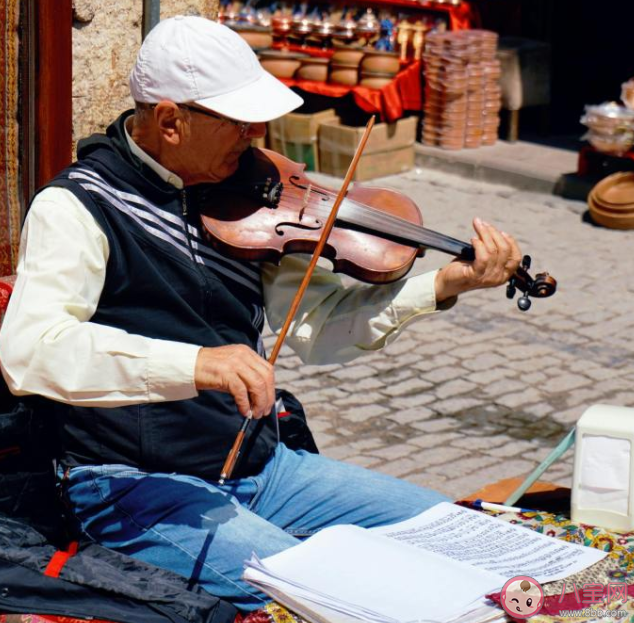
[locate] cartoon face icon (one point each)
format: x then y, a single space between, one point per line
522 597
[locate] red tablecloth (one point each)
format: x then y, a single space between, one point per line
401 94
588 164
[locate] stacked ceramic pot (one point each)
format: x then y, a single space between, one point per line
611 201
462 95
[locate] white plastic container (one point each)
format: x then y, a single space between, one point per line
603 476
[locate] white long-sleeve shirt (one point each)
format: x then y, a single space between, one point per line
49 346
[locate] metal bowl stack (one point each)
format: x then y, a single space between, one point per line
610 128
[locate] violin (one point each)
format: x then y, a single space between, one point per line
270 208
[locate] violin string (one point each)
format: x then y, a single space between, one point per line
365 216
376 219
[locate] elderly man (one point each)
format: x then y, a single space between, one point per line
147 342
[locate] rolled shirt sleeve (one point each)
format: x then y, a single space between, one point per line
48 345
335 323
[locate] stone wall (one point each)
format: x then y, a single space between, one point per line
106 37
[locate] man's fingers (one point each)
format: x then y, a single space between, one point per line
240 371
238 390
483 230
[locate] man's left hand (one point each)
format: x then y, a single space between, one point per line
497 257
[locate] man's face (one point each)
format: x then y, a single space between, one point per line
213 146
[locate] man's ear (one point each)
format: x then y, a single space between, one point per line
171 122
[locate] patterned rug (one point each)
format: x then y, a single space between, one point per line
9 181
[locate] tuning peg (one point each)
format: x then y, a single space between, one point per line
524 303
526 262
510 291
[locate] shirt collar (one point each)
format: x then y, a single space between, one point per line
159 169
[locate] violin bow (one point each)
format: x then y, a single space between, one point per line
234 453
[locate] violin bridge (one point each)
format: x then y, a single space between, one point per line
305 201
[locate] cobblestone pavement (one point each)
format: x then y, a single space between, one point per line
483 391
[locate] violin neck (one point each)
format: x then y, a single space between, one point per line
405 232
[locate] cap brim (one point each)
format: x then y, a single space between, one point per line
264 99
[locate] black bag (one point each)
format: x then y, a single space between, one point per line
28 447
96 583
294 431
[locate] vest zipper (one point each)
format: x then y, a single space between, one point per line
199 268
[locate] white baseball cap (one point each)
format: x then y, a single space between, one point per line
188 59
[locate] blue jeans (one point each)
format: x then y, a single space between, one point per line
205 531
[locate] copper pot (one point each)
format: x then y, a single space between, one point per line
257 37
344 74
281 64
380 61
350 57
313 68
374 79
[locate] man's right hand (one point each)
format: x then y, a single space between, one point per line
241 372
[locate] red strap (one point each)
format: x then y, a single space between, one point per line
59 559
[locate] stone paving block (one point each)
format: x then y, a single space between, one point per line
568 417
437 426
362 460
283 376
407 416
397 468
601 374
534 363
323 440
408 386
465 466
362 413
366 444
482 444
504 386
539 409
319 424
484 361
519 399
446 373
411 402
329 394
391 452
454 388
438 455
565 383
513 448
340 452
431 481
363 398
401 346
323 369
624 399
304 383
436 362
481 345
462 486
354 373
388 364
584 396
486 377
362 385
455 405
534 378
433 440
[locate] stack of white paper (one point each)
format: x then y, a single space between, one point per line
434 568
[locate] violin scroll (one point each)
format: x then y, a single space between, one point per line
542 286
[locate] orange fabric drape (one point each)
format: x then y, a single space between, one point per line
390 102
